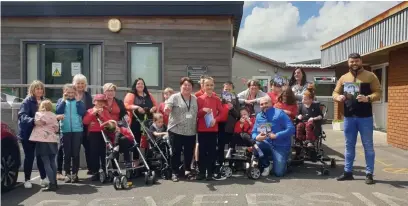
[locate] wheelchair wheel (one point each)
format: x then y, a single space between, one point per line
150 177
102 177
109 177
116 183
254 173
333 163
226 171
124 182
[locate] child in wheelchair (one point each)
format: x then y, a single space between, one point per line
308 119
158 128
242 134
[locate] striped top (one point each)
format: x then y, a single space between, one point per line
181 120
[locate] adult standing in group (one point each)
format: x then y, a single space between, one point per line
114 105
250 97
298 83
26 123
140 100
182 109
358 114
81 87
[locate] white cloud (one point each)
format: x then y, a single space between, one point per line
248 3
275 32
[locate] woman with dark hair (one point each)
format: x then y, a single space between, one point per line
140 100
298 83
182 128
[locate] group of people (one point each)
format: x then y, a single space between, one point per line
196 123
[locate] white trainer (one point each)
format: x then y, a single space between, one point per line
44 182
266 171
28 185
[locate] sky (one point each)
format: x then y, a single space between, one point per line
294 31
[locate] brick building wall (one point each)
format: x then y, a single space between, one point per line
398 99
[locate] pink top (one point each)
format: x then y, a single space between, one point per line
46 132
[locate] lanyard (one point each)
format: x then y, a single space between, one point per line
185 102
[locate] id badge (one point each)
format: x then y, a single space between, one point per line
189 116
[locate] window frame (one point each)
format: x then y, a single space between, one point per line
383 80
159 45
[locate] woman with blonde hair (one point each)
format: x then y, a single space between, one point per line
26 123
81 86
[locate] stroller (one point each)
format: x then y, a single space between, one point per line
155 157
115 172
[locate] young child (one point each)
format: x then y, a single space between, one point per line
44 133
287 102
166 94
97 144
309 113
208 104
72 112
276 84
122 142
242 133
158 127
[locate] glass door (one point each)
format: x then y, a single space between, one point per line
60 62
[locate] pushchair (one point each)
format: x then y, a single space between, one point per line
114 172
155 157
315 153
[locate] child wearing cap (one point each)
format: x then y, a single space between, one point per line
96 141
276 84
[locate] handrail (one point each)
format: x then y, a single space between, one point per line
60 86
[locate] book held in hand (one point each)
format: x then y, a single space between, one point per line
226 96
208 119
265 128
351 90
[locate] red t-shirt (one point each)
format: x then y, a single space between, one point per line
165 116
293 109
246 128
214 103
114 110
274 97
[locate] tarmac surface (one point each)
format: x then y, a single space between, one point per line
301 187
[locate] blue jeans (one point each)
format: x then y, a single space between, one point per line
353 125
279 157
50 167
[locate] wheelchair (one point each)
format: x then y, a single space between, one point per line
302 153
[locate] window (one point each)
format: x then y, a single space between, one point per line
144 61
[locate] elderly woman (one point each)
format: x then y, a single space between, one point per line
298 83
250 97
141 101
26 123
182 109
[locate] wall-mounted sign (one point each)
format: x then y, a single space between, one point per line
325 80
114 25
75 68
194 72
56 69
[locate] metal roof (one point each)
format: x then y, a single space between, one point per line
260 57
304 65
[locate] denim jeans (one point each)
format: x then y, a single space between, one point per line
353 125
50 167
279 157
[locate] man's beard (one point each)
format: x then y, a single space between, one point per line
352 67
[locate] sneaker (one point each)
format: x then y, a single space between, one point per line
75 178
174 178
266 171
68 178
229 153
60 176
50 187
345 176
369 179
28 185
44 182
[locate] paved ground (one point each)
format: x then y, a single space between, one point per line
302 187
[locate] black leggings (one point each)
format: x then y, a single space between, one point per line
97 151
135 127
124 144
207 148
178 143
